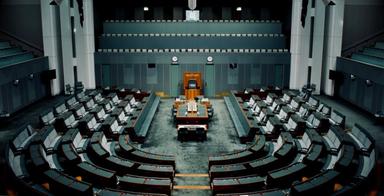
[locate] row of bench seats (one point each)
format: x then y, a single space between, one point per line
55 161
319 155
112 115
191 35
177 50
184 42
172 21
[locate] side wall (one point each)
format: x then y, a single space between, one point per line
22 18
355 90
362 19
132 71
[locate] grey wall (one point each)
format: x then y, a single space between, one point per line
362 19
22 18
130 70
369 98
29 89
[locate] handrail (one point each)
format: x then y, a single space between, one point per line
347 51
23 43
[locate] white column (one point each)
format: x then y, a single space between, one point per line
318 42
51 43
85 45
66 43
333 43
299 47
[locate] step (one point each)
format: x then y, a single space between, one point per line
368 59
9 51
377 52
194 175
14 59
192 187
191 181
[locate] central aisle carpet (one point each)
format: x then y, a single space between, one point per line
192 156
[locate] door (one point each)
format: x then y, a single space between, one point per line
209 80
174 80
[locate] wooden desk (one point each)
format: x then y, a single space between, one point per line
197 115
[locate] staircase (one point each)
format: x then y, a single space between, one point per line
372 55
24 83
12 55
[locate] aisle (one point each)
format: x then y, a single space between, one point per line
192 157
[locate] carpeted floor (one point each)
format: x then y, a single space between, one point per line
192 156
